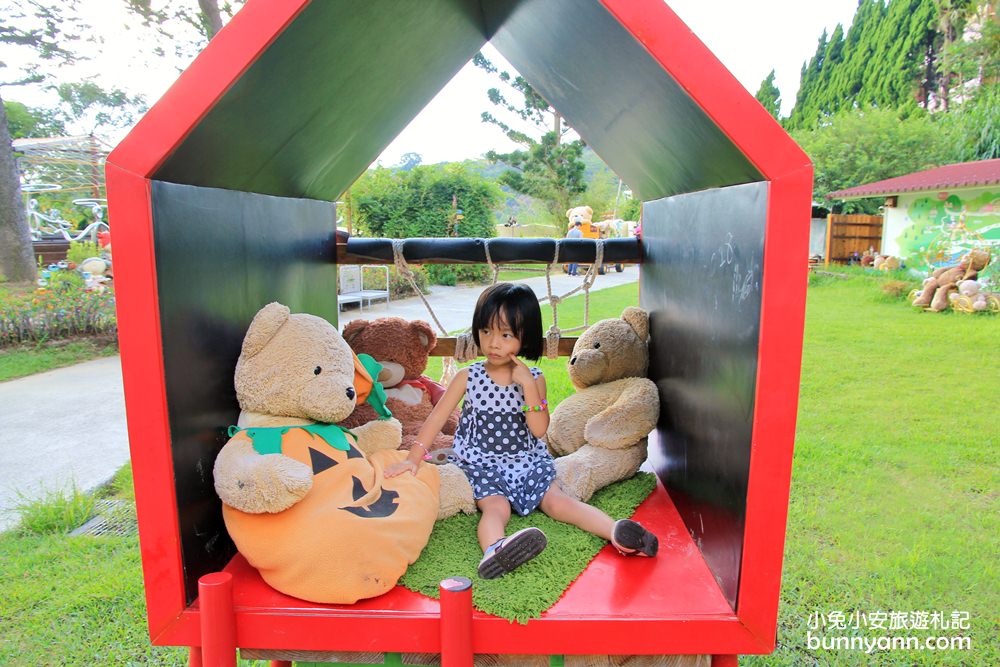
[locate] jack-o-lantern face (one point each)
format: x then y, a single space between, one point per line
385 503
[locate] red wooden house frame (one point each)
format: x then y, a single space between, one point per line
221 199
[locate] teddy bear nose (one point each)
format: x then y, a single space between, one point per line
350 392
572 361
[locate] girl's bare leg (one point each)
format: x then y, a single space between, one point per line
493 522
567 509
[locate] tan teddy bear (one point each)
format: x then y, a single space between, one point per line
305 500
599 433
402 348
934 293
582 214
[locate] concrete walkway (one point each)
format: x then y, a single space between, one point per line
67 426
59 428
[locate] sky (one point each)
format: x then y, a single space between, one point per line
750 37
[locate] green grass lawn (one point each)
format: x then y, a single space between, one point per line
894 499
26 360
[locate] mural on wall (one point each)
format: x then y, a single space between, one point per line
947 225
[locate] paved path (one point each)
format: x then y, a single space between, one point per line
67 426
59 428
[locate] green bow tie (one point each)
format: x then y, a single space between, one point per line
267 439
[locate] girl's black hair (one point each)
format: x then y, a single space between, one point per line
518 305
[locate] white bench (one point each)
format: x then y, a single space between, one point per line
351 287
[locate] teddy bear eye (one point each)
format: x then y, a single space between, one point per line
596 345
318 370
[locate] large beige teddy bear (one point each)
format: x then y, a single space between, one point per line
599 433
305 500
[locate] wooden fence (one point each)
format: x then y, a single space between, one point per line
850 234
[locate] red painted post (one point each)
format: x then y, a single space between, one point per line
725 661
456 622
281 663
194 657
218 621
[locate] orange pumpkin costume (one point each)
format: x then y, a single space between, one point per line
364 528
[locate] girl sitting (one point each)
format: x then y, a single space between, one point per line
498 441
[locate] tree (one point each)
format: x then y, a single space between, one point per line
769 96
86 101
977 124
48 29
27 122
862 146
547 168
976 58
423 201
410 160
804 113
174 21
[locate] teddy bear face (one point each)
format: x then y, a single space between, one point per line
976 259
295 366
968 287
611 350
401 346
583 214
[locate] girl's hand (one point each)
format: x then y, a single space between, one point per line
521 373
397 469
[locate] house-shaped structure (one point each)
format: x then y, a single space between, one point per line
222 201
936 215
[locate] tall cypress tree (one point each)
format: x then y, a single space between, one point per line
828 98
806 111
769 96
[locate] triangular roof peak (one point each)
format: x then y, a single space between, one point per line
296 98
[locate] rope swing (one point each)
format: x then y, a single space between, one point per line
554 333
465 343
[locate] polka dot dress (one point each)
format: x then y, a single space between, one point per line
494 447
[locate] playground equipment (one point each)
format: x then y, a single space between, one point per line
52 224
224 192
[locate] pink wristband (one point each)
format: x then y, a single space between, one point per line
427 454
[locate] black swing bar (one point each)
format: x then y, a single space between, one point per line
473 251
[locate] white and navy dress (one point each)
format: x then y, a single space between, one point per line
494 446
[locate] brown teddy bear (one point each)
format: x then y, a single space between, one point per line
934 293
599 433
305 500
402 348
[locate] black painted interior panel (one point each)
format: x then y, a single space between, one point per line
701 283
220 257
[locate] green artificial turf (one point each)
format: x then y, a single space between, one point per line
537 585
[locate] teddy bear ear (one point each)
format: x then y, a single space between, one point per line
265 324
568 211
590 211
353 328
425 333
638 319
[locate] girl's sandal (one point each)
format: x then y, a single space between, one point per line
631 539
